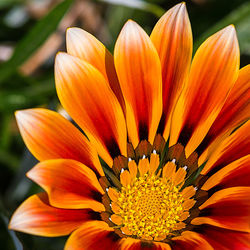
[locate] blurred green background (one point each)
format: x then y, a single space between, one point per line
31 32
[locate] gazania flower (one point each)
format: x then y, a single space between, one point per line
165 160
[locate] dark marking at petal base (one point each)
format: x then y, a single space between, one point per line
113 237
113 148
186 134
94 215
161 126
204 144
143 131
96 196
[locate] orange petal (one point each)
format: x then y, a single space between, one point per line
93 235
115 208
48 135
69 184
235 174
235 111
125 178
135 244
168 170
237 145
143 166
113 194
184 216
190 240
172 37
213 72
154 163
179 176
85 94
188 204
82 44
188 192
139 72
36 216
116 219
224 239
228 208
132 169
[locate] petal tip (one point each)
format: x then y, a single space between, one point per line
180 7
13 223
130 24
30 174
73 31
61 59
229 31
22 114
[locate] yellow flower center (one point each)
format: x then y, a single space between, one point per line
150 206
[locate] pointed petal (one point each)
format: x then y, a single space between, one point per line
48 135
93 235
235 111
139 72
228 208
84 93
172 37
235 174
82 44
213 72
190 240
237 145
69 184
36 216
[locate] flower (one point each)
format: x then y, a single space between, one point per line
166 162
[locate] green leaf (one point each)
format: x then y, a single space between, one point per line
34 39
240 17
138 4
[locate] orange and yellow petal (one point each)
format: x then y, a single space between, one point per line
85 94
235 146
235 111
213 73
82 44
69 184
172 37
93 235
190 240
48 135
139 72
235 174
228 208
36 216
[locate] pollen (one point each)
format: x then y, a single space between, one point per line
151 206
